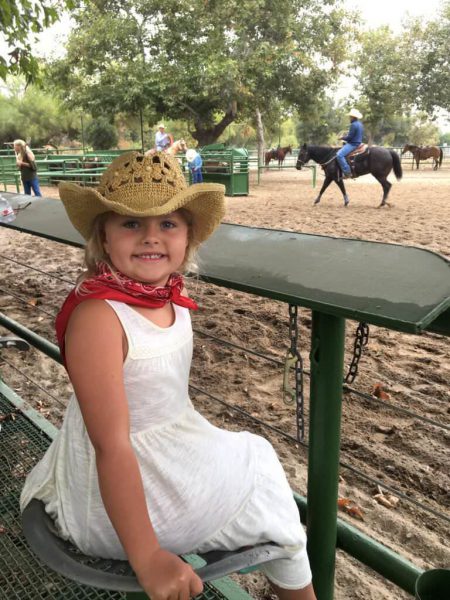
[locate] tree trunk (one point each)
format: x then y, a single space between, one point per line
207 135
260 136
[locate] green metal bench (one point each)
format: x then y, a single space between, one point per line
401 288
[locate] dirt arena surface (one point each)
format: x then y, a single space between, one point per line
396 448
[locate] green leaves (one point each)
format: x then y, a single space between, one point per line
197 59
17 19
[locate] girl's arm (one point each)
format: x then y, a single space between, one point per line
95 355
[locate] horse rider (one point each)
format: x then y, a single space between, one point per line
352 140
163 140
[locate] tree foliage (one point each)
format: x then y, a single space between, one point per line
17 21
34 115
101 134
433 80
379 71
208 62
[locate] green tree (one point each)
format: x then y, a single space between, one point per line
379 71
431 85
35 115
423 53
204 61
322 124
101 134
17 21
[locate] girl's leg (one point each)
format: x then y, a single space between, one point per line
27 187
306 593
35 185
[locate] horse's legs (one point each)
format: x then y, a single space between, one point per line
386 185
341 185
326 183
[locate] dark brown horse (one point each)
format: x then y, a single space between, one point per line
278 154
425 152
377 161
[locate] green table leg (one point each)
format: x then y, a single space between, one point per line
327 356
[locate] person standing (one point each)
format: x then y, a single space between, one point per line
25 160
352 140
195 162
163 140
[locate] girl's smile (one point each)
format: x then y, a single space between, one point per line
147 249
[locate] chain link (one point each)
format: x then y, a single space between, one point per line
294 360
361 340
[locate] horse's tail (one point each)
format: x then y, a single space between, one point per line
397 165
441 156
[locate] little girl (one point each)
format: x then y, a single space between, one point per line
136 472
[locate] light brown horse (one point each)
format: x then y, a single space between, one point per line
423 152
176 147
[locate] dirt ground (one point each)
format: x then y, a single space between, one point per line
379 442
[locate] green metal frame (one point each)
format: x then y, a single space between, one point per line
412 293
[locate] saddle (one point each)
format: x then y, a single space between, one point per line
351 156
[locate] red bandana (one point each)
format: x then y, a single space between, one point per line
106 286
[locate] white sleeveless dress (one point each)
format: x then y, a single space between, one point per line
206 488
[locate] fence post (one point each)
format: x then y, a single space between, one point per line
327 359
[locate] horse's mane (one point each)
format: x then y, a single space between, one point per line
322 151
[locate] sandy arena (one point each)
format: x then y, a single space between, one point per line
398 449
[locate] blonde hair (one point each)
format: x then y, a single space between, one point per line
95 252
23 146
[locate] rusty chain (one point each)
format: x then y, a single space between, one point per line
361 340
294 360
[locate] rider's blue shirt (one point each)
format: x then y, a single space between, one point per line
355 133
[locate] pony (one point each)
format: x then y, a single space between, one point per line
176 147
423 152
277 154
376 160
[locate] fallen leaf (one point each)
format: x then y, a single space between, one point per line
379 392
355 511
33 301
344 502
351 508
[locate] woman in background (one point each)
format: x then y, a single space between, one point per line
28 171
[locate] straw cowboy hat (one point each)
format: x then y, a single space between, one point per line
190 154
145 186
161 126
355 113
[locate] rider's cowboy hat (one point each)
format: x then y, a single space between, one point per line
355 113
144 186
190 154
161 126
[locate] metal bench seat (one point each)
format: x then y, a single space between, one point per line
64 558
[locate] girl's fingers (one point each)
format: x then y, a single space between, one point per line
196 586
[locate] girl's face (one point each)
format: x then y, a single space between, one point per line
147 249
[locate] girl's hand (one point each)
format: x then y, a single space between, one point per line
167 577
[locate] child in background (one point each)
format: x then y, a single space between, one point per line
195 163
135 471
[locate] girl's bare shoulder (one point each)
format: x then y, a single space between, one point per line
93 314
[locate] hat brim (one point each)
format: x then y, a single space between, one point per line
205 201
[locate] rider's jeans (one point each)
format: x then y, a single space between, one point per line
342 153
